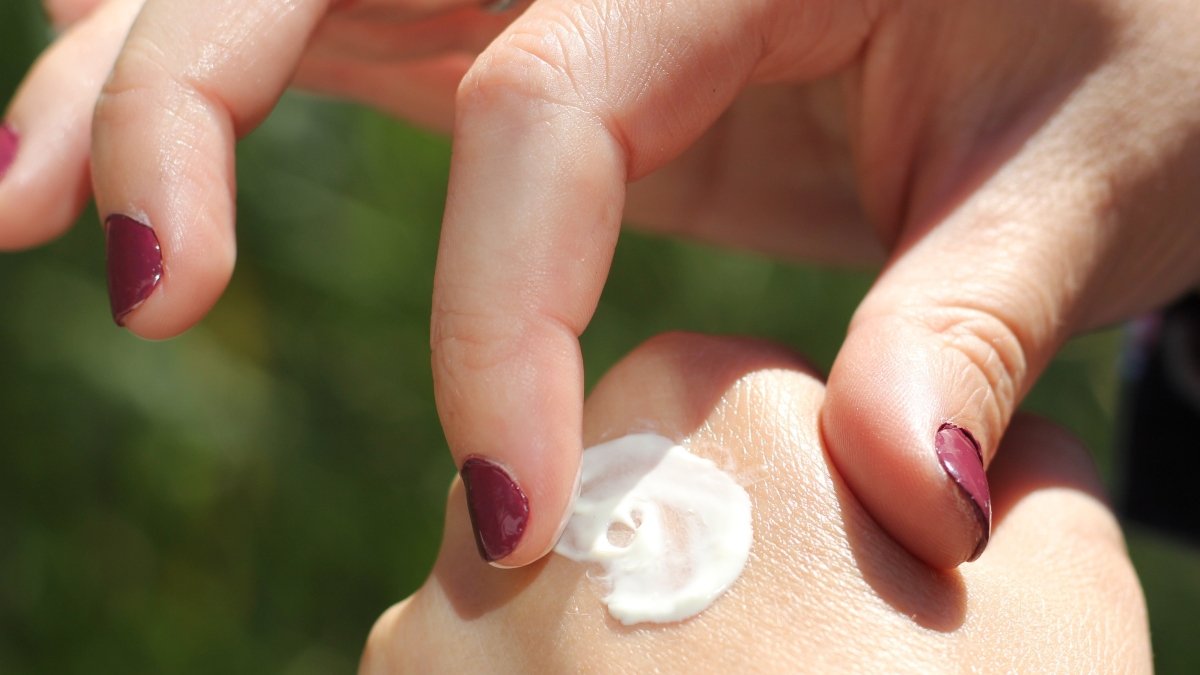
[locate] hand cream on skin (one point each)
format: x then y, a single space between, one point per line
671 530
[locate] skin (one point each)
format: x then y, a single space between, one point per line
1023 171
826 589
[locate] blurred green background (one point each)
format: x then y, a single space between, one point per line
249 497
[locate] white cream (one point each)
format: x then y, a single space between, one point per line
670 529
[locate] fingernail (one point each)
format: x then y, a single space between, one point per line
960 456
498 507
8 148
135 264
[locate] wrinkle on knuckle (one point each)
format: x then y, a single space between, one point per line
143 80
993 349
470 342
133 76
530 63
560 61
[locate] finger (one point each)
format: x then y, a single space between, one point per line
747 405
44 143
420 92
947 342
552 120
191 78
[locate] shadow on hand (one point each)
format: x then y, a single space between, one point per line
719 393
473 587
933 599
683 386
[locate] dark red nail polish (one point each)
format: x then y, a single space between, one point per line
8 148
498 507
959 453
135 264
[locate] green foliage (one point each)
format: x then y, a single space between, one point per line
250 496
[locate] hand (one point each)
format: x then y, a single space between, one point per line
406 57
988 153
1029 169
825 590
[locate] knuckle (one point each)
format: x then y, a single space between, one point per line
559 60
138 78
126 81
993 349
529 63
144 78
464 342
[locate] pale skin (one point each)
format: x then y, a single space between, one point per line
1023 170
826 589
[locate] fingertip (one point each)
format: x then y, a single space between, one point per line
962 459
16 232
498 507
41 194
169 308
507 533
165 184
914 461
9 142
162 146
511 407
161 285
46 181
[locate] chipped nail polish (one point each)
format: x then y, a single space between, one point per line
499 509
135 264
961 458
9 141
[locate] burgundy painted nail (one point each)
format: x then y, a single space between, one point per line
8 148
959 453
135 264
498 507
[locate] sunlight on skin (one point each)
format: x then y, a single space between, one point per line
825 588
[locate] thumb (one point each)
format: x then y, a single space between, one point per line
943 348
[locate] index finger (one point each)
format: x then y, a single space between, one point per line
537 188
573 100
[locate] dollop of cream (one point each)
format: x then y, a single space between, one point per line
671 530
